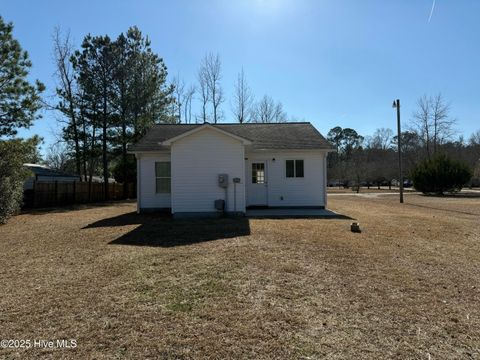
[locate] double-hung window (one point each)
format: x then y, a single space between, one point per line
163 177
294 168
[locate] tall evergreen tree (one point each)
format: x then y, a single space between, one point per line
96 65
117 90
19 103
19 100
141 96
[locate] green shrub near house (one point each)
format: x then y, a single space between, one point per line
19 104
439 175
13 154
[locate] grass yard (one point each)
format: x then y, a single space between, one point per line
136 286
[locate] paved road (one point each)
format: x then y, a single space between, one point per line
377 194
367 194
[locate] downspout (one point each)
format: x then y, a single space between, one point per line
225 210
234 197
325 179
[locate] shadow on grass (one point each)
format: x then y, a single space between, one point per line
443 209
76 207
299 216
462 195
162 231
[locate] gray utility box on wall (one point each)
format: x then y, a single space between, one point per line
223 180
220 204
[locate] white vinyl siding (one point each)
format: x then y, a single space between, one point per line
309 190
148 198
197 160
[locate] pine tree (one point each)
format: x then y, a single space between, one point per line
19 103
19 100
141 96
96 68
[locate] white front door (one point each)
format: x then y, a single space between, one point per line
257 184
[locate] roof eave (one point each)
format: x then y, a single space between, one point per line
294 149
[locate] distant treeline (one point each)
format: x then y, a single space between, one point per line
374 159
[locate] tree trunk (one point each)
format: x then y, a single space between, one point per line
76 140
124 158
214 106
104 146
85 145
105 161
92 152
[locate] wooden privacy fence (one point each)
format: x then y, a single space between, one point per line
57 193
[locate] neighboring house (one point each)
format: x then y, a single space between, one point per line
188 168
99 179
45 174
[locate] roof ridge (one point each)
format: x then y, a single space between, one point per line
249 123
271 123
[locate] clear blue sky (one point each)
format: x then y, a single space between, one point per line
336 62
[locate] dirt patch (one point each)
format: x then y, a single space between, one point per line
130 286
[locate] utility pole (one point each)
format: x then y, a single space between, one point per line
396 104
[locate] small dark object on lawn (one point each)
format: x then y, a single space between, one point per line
355 227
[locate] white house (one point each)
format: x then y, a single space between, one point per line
206 169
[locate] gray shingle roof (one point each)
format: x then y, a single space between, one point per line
298 135
42 170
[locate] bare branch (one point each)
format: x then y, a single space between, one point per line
179 86
267 111
432 122
242 99
212 72
202 78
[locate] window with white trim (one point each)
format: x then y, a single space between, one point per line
294 169
163 177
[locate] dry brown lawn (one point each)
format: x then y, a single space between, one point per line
134 286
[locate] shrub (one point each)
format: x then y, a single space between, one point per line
131 170
440 174
13 154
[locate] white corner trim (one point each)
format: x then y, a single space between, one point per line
139 181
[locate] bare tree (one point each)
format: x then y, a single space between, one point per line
179 86
442 122
432 122
242 99
57 156
278 114
264 110
475 139
187 101
63 50
202 78
213 70
267 111
421 122
381 139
